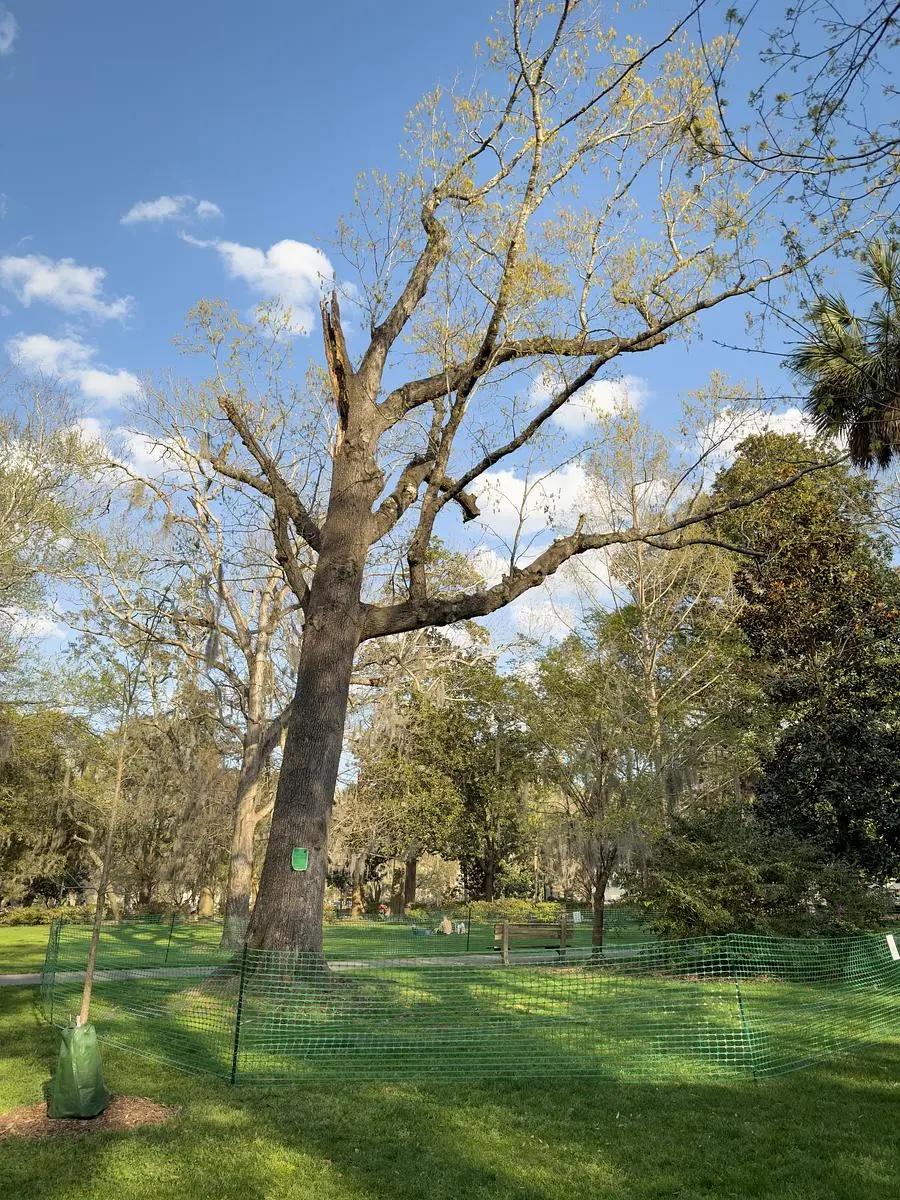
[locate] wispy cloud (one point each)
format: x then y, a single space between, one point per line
599 398
719 440
62 283
73 361
8 30
170 208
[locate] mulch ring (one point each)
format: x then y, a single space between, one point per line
123 1113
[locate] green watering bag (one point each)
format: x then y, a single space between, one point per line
78 1088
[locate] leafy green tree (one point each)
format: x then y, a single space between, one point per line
52 767
851 363
581 714
835 781
721 871
822 619
452 779
642 714
571 208
820 599
45 465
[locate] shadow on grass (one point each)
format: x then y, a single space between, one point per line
825 1134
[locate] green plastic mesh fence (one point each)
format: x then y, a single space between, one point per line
382 1005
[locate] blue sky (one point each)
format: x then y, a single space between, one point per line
267 112
250 124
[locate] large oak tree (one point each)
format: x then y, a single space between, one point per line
566 213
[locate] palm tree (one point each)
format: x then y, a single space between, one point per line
852 364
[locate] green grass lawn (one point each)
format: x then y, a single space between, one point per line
657 1011
828 1133
22 948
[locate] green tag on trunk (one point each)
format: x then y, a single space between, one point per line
299 858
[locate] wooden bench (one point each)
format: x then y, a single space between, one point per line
535 935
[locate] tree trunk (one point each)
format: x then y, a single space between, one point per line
240 863
289 907
357 899
206 906
489 877
409 883
601 878
397 890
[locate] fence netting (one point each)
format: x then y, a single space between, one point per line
385 1005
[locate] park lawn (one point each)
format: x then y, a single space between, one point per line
828 1133
22 948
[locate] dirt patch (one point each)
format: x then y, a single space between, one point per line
121 1114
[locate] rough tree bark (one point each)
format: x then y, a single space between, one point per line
397 886
260 739
288 911
240 860
357 898
601 879
409 883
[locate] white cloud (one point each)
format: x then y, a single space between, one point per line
490 565
73 361
206 210
144 455
63 283
38 353
108 387
599 398
171 208
511 504
292 272
37 625
543 619
722 436
93 429
8 30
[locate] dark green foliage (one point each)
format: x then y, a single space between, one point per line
822 620
38 914
821 602
51 768
836 782
722 872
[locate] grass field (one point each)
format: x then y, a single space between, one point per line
828 1133
657 1010
22 947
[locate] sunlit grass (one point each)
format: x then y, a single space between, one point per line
828 1133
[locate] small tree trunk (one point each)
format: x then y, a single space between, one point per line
357 899
601 878
240 862
489 877
409 883
206 906
397 886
